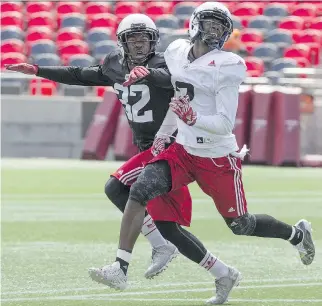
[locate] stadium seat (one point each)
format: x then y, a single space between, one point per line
81 60
255 66
276 11
11 6
304 10
316 23
46 60
12 58
280 37
100 50
37 6
72 47
11 32
173 35
266 51
103 20
125 8
184 9
12 19
237 22
262 23
167 21
97 8
97 35
12 45
67 34
312 39
155 9
310 36
42 19
302 62
281 63
292 23
42 87
251 35
37 33
246 9
73 20
67 7
299 50
43 46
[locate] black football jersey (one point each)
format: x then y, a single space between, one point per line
145 102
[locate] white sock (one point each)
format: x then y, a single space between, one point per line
150 231
293 233
215 266
124 255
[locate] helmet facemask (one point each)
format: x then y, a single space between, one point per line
215 27
138 43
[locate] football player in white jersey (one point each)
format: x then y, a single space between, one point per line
206 80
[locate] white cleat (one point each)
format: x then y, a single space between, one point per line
161 257
111 275
306 247
224 285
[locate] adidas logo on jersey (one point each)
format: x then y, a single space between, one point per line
212 63
231 209
120 172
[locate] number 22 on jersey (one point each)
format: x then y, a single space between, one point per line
126 94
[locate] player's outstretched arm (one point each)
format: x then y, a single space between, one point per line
160 77
87 76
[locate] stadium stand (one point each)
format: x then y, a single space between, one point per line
267 34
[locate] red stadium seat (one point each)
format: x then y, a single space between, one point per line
124 8
36 33
302 62
155 9
42 87
12 19
69 7
42 19
72 47
98 8
12 58
292 23
316 23
251 35
246 9
12 45
304 10
67 34
11 6
299 50
103 20
37 7
255 66
309 36
312 39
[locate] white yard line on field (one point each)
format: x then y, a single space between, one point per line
143 293
203 300
77 196
137 285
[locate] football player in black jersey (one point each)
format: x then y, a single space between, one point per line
139 76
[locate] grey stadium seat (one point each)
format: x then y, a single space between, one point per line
47 60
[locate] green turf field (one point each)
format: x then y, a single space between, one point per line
56 223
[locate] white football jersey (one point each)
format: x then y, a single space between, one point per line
212 82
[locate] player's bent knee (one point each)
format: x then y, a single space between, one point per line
153 181
243 225
117 192
113 188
